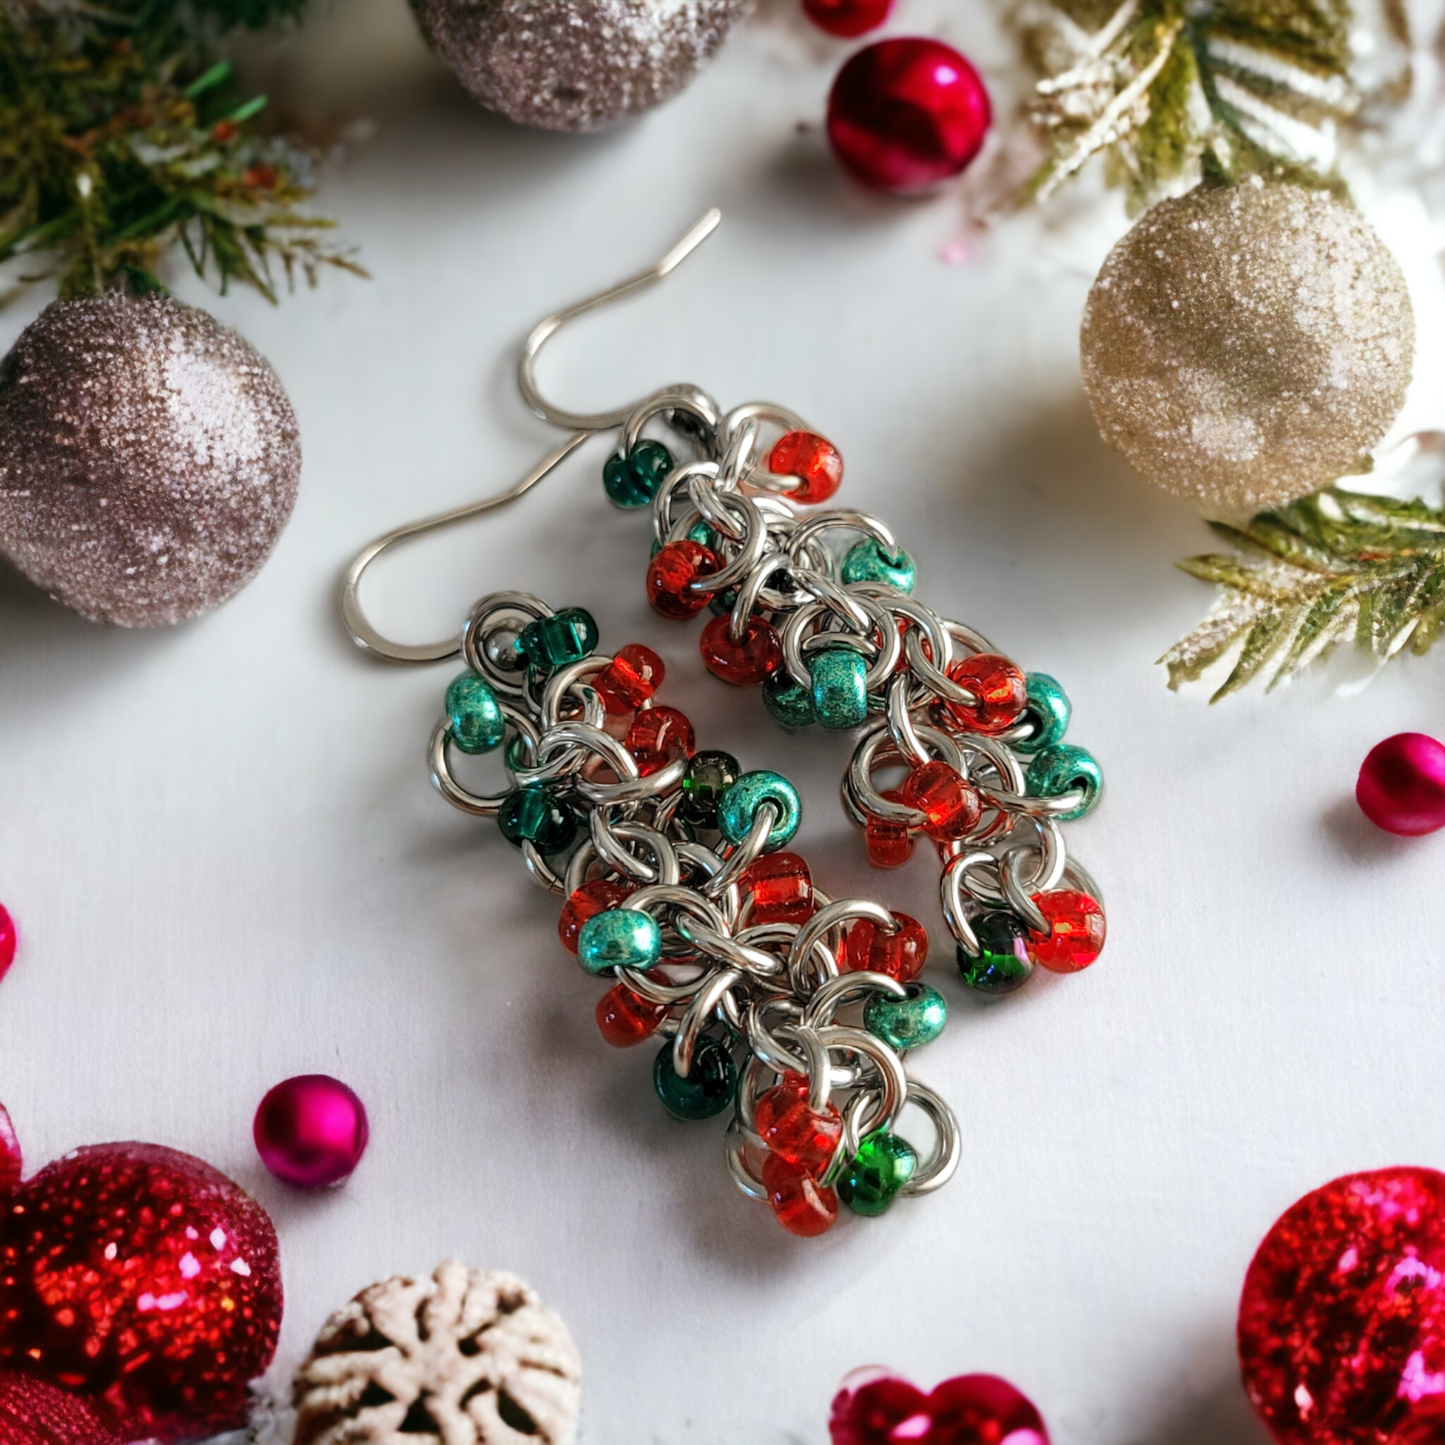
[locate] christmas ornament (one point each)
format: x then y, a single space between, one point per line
11 1161
1342 1320
1245 345
148 458
875 1407
144 1280
34 1412
9 940
1401 787
682 894
847 18
461 1357
578 66
311 1131
906 114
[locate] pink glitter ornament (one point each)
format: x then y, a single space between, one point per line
875 1407
311 1131
1401 787
33 1412
9 940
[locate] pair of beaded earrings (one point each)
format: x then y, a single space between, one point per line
790 1008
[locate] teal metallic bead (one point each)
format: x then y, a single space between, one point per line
634 480
1002 963
710 1086
907 1023
790 704
1048 711
534 815
866 561
883 1164
1064 769
619 938
473 714
739 806
840 687
559 640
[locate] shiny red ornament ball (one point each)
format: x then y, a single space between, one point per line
876 1407
11 1161
311 1131
1401 787
814 460
847 18
144 1280
9 940
33 1412
907 114
1342 1319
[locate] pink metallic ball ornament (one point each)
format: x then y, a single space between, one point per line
873 1406
1402 785
311 1131
906 114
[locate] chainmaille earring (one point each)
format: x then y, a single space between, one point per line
790 1008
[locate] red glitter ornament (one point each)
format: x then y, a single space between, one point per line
758 656
672 572
906 114
876 1407
10 1157
1401 787
780 888
1342 1319
901 955
799 1203
311 1131
33 1412
144 1280
1076 931
659 736
9 940
629 680
595 896
814 460
796 1132
847 18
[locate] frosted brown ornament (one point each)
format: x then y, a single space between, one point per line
149 458
580 65
461 1358
1247 345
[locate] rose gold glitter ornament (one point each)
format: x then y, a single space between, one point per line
148 458
1247 345
576 66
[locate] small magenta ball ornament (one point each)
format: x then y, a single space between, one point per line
906 114
847 18
311 1131
874 1406
1401 787
9 940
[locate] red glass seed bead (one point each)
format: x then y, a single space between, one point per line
594 897
814 460
629 680
1001 689
800 1204
658 737
847 18
949 802
671 573
626 1018
900 955
781 889
757 657
803 1136
890 844
1077 931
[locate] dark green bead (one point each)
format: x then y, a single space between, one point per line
709 1087
709 775
866 561
739 806
883 1164
534 815
1003 963
474 714
702 534
1062 769
633 480
789 703
1047 713
840 690
907 1023
723 602
559 640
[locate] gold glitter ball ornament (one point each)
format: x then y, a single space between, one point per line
1247 345
578 65
149 458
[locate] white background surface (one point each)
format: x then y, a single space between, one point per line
228 866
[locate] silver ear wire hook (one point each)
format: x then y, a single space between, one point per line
548 327
363 634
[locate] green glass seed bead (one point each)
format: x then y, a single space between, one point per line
711 1082
533 815
709 775
1063 769
1002 963
560 640
1048 710
619 938
634 480
866 561
739 807
907 1023
840 688
790 704
883 1164
474 714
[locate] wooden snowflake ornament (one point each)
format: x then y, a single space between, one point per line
460 1358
